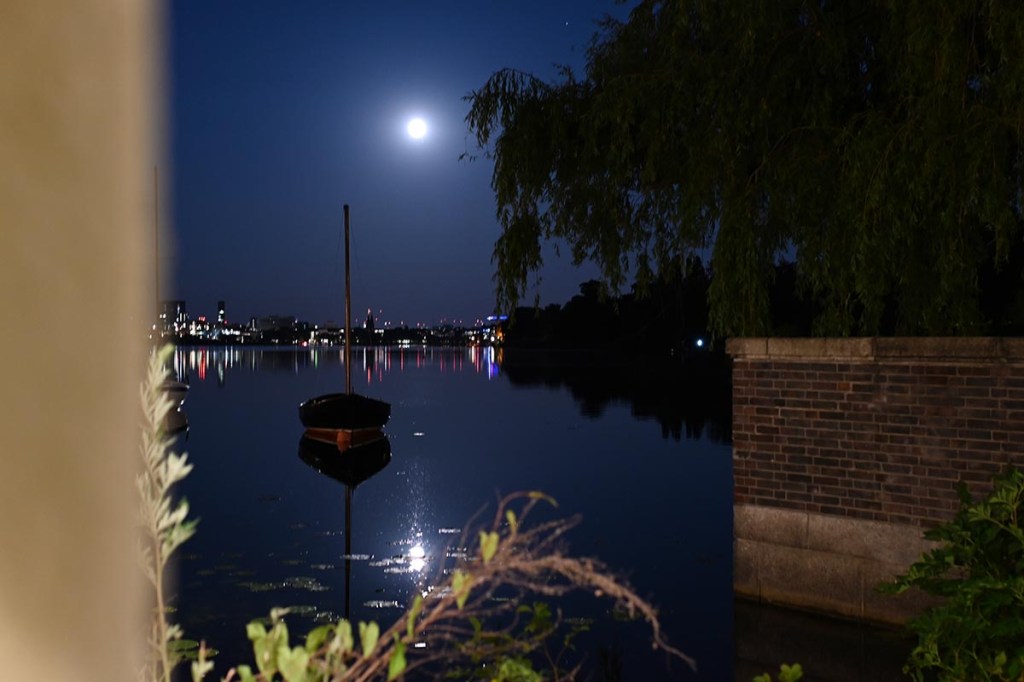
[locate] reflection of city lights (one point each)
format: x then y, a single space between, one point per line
377 364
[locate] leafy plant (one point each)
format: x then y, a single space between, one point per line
977 632
164 523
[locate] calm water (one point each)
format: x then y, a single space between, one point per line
653 488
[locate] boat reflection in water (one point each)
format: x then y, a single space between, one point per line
351 463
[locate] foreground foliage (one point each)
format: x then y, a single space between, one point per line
473 624
164 522
787 673
878 143
977 632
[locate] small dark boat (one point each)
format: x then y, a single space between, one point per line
346 411
177 391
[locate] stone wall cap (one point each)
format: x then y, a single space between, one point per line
746 347
955 348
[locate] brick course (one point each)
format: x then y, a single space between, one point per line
877 429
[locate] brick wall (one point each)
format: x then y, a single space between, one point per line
875 429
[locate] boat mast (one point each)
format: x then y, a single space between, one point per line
348 315
348 548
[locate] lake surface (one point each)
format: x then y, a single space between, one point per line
643 456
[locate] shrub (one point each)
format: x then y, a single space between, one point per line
977 632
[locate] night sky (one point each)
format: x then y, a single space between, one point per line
281 112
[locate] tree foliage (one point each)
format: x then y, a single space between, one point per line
877 143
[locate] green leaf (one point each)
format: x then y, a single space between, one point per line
488 545
266 648
461 585
293 663
537 495
414 612
396 665
790 673
343 641
265 652
513 522
182 646
279 633
255 630
369 633
541 618
317 636
516 670
245 674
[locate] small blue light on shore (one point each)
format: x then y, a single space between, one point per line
700 343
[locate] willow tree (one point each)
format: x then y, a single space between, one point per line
876 143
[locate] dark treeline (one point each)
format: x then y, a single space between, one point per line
672 315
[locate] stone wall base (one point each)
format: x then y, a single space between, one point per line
825 563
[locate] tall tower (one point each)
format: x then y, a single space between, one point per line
369 321
221 315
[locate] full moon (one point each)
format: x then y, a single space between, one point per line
417 128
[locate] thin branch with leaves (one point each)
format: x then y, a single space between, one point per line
164 523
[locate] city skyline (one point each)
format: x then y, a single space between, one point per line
221 312
278 116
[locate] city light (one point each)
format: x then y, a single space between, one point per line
176 325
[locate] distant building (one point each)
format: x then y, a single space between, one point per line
368 325
274 323
173 316
221 314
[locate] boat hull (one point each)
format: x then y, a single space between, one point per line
344 439
344 411
175 390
